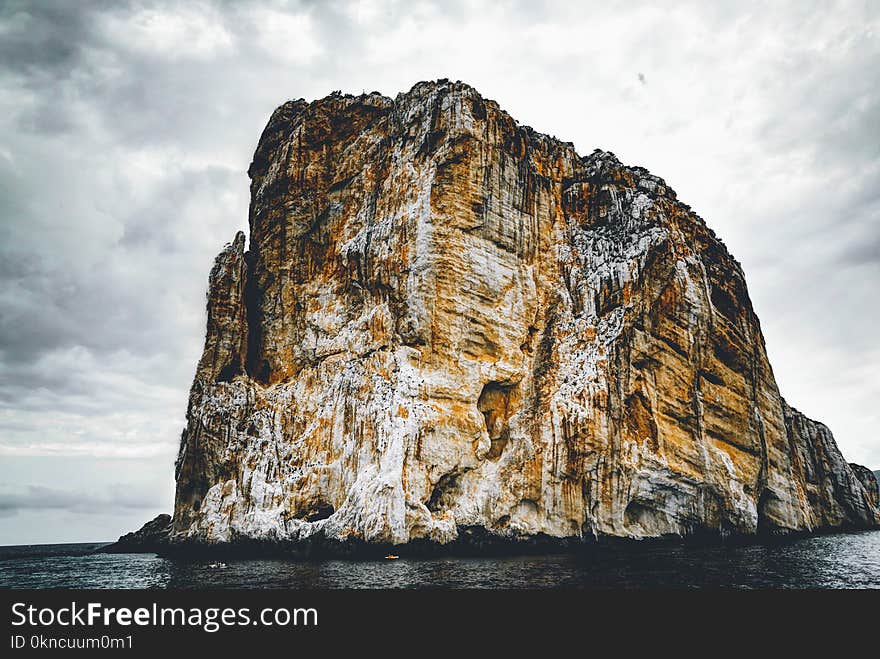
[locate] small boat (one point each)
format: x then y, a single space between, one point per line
391 557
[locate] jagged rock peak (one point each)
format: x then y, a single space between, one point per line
446 320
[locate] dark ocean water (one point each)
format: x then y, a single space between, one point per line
831 561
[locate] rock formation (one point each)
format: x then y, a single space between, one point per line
151 537
446 320
868 479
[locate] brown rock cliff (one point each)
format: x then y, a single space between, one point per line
447 320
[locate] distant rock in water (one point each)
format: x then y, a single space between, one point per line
151 537
448 322
869 480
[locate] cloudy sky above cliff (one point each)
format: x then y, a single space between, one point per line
126 130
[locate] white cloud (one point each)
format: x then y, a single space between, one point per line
286 37
363 12
191 31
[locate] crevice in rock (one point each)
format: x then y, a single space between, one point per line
228 372
527 345
724 302
765 503
727 354
497 403
256 367
714 378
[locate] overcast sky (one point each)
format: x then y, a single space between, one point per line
126 130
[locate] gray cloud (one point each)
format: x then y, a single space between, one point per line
42 38
38 497
126 129
80 498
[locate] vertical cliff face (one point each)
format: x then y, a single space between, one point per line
448 320
868 479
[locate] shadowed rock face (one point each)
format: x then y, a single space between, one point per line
448 320
151 537
868 479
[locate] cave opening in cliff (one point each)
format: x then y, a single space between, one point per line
319 511
497 402
444 492
228 372
641 517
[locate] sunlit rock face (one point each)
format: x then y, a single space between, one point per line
448 320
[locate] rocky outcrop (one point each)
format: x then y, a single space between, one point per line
447 321
151 537
868 479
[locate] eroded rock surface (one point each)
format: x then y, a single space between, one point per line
868 479
447 320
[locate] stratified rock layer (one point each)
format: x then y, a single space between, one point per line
448 320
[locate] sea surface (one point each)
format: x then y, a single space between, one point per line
830 561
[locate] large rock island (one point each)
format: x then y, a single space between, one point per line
447 322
